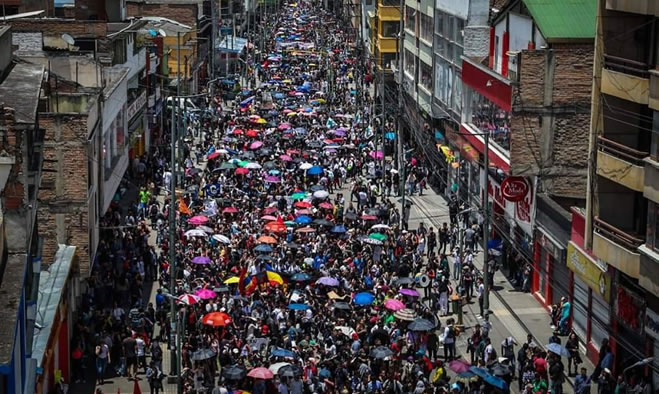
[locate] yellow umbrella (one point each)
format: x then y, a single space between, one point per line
312 64
321 100
261 121
287 81
232 280
291 114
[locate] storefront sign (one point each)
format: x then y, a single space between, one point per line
584 266
136 105
652 324
514 188
629 308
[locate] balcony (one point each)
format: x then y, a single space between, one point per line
621 164
617 247
387 44
649 269
626 79
644 7
653 101
388 13
651 184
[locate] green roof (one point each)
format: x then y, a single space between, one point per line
564 19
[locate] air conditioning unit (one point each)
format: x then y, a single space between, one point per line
513 65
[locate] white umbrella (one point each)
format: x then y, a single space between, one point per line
345 330
188 299
221 238
253 166
195 233
274 368
378 226
222 151
321 194
205 229
305 166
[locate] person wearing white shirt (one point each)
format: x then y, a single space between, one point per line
449 341
141 356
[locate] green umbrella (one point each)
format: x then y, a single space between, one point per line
378 236
243 163
289 223
298 196
227 166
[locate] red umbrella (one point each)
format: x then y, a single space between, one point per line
242 171
261 373
238 131
270 210
303 204
303 212
213 155
306 230
230 210
188 299
275 227
326 205
216 319
369 217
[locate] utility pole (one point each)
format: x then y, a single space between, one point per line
213 38
172 238
382 121
486 229
399 105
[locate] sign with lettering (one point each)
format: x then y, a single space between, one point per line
136 105
652 324
586 268
514 188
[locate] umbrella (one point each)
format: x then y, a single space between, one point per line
276 366
342 305
205 294
327 281
285 158
321 194
272 179
378 236
379 154
261 373
197 220
315 170
338 230
556 348
227 166
290 371
306 166
263 248
350 216
216 319
409 292
499 369
303 219
253 166
326 205
301 277
213 155
266 239
380 226
372 241
201 260
324 373
206 229
221 238
394 305
459 366
299 307
232 281
230 210
202 354
466 377
489 378
306 230
188 299
381 352
298 196
275 227
303 204
242 171
363 298
279 352
234 372
405 314
347 331
369 217
255 145
323 222
195 233
406 280
421 325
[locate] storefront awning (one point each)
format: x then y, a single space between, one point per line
232 44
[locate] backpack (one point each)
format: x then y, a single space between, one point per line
156 353
451 332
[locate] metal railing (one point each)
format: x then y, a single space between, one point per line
618 236
621 151
626 66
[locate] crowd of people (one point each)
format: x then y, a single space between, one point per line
295 270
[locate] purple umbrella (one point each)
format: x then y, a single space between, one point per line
377 155
205 294
201 260
327 281
339 133
409 292
272 179
256 145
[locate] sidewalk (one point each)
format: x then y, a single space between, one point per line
512 313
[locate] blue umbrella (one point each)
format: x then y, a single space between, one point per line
489 378
279 352
338 229
303 219
278 96
299 307
390 136
263 248
315 170
324 373
301 277
363 299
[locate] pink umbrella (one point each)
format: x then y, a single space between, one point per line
255 145
188 299
303 212
261 373
284 126
285 158
197 220
205 294
393 304
379 154
272 179
230 210
409 292
268 217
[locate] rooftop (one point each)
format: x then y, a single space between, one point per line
170 27
21 89
564 19
10 296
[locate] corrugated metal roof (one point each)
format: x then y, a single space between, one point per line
564 19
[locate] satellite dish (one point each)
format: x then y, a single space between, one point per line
162 33
68 39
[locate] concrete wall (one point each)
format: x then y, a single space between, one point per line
477 31
183 13
5 48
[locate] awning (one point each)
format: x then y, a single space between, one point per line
232 44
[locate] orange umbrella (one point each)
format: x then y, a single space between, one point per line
216 319
276 227
266 239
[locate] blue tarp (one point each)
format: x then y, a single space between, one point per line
232 45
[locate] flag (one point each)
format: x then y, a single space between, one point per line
183 207
241 283
274 277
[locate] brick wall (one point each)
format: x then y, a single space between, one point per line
182 13
58 26
558 151
63 212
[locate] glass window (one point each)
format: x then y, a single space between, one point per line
490 118
457 97
426 27
410 18
409 62
459 34
652 235
390 29
439 23
439 77
450 26
425 72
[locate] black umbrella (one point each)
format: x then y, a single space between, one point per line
316 188
342 305
269 165
421 325
323 222
381 352
264 152
406 280
499 369
350 216
315 144
380 334
221 289
290 371
234 372
292 245
264 257
203 354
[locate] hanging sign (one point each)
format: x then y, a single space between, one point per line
514 188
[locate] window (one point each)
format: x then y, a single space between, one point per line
410 19
390 29
388 59
449 42
490 118
425 72
652 234
426 27
409 62
439 23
